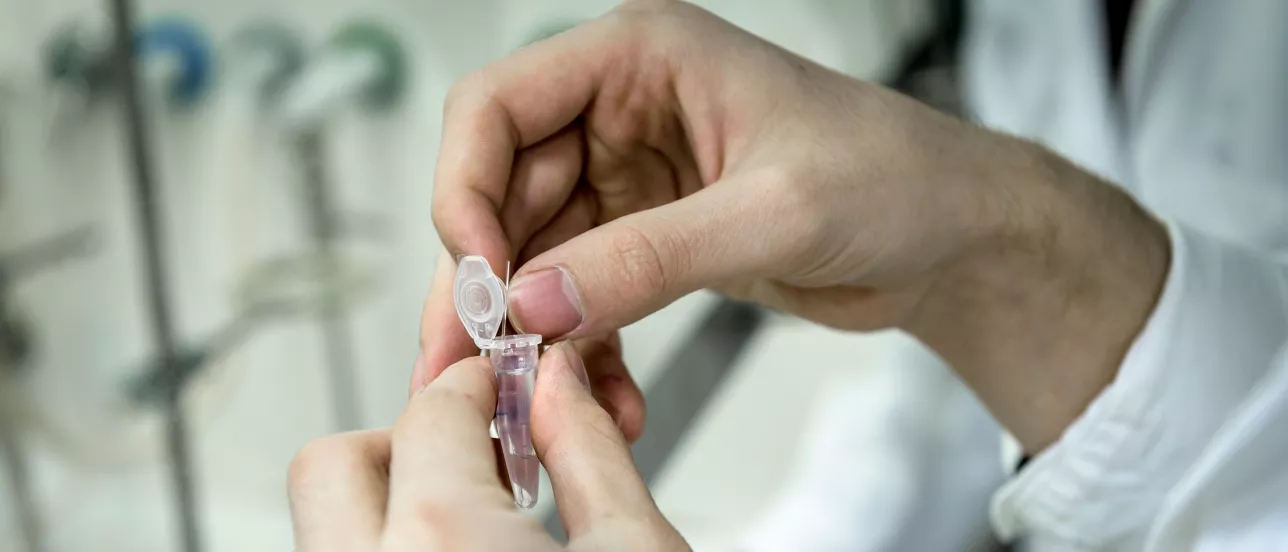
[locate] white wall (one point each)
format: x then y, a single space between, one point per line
227 183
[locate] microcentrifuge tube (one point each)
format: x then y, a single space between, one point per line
480 302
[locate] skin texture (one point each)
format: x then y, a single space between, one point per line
431 482
659 150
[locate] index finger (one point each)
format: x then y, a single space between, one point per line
489 116
443 339
509 105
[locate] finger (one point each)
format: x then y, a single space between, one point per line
627 180
611 383
442 457
619 272
443 340
595 481
510 105
576 217
337 487
544 177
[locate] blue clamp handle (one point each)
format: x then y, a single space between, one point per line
186 41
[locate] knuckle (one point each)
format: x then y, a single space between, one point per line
453 397
605 432
647 261
438 215
795 189
438 516
322 459
452 99
426 524
800 199
641 19
470 96
632 420
651 17
432 406
464 88
643 6
601 432
402 432
597 434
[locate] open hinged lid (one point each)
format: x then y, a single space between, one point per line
480 299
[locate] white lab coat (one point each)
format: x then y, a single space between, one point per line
1188 448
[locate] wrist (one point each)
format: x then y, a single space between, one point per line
1039 308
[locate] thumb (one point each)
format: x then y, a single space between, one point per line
596 486
626 269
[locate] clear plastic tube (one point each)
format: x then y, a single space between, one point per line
514 361
480 301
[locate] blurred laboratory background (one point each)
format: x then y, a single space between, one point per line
207 266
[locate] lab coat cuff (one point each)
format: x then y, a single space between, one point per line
1215 328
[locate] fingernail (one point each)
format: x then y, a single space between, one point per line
575 363
546 302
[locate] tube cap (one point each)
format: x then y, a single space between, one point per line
480 299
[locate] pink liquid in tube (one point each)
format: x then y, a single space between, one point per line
514 361
481 304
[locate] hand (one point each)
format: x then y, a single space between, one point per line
659 150
431 483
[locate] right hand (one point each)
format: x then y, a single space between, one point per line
659 150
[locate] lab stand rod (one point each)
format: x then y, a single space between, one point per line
16 470
147 203
333 319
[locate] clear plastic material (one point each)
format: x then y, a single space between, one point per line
514 361
480 300
481 304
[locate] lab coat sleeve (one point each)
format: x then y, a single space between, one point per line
1220 320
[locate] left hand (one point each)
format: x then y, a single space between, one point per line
431 482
